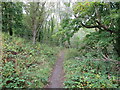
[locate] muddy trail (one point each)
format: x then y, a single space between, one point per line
57 77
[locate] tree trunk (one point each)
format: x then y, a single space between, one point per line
10 25
34 33
117 45
69 44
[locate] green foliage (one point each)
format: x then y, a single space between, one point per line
25 64
103 16
72 53
67 30
91 64
79 37
12 17
10 78
34 18
86 72
98 44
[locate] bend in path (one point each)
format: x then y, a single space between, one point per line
57 77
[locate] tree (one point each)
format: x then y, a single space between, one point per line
35 17
67 24
103 16
11 16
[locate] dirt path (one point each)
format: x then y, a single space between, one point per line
57 77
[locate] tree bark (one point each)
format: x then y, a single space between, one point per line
34 33
117 45
10 25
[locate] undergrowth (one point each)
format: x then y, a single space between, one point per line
25 64
88 71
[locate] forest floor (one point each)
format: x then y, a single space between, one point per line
57 77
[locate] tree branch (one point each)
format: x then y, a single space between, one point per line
105 27
99 26
88 26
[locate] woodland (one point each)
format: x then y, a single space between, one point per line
79 39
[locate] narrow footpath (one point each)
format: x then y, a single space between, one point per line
57 76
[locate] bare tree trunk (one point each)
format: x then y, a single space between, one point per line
34 34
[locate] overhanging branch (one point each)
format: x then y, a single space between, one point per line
105 27
88 26
99 26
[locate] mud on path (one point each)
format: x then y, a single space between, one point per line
57 77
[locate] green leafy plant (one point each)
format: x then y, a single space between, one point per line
25 64
86 72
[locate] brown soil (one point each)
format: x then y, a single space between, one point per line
57 77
